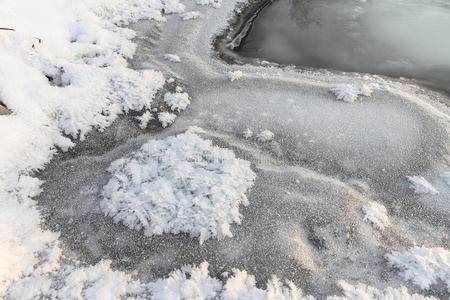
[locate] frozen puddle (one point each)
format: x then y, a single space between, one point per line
307 218
398 38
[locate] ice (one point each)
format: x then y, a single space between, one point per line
180 184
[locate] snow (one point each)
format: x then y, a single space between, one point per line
172 58
350 92
177 101
190 15
166 118
235 75
376 214
423 266
421 186
265 136
179 184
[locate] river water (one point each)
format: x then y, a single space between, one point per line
399 38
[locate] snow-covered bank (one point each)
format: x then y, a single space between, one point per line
64 72
306 221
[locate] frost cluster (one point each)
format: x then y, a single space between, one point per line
248 133
235 75
265 136
350 92
376 214
144 119
172 58
423 266
177 101
179 184
421 186
166 118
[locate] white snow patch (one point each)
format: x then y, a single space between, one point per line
265 136
172 58
350 92
235 75
64 72
421 186
166 118
423 266
190 15
179 184
177 101
376 214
